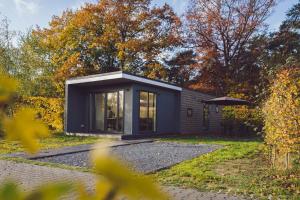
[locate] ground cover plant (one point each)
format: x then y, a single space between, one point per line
240 167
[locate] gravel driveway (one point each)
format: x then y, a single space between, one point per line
144 157
29 176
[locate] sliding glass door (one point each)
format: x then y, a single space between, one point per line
107 111
99 111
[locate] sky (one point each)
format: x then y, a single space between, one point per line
24 14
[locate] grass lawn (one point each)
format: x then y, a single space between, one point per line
56 141
240 167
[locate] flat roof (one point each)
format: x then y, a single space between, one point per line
120 75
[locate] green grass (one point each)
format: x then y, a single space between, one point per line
48 164
56 141
240 167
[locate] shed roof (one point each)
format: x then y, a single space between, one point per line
120 76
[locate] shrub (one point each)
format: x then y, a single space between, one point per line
49 110
243 120
282 113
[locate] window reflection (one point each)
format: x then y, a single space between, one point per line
147 111
107 112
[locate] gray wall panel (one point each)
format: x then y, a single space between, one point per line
75 112
193 99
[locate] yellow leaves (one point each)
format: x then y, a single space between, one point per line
108 34
282 112
8 87
121 181
114 179
25 128
49 110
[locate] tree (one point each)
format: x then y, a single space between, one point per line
284 44
7 50
35 71
282 111
180 68
219 30
278 49
110 35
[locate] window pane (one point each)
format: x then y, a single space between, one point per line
143 105
151 111
147 111
112 111
143 111
121 110
99 111
154 113
205 116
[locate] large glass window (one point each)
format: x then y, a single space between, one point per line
99 111
147 120
107 111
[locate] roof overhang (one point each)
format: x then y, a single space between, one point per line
227 101
120 76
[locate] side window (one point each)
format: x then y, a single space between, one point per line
189 112
205 116
217 109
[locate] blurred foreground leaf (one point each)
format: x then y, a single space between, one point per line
124 181
24 127
8 87
11 191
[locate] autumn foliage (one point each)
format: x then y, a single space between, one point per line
219 31
282 112
110 35
48 110
113 180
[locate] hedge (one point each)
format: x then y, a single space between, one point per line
282 114
49 110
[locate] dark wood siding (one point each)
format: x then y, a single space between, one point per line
194 124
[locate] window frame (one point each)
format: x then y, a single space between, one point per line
92 111
153 130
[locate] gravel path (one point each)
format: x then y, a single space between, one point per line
29 176
144 157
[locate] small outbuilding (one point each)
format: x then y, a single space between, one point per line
122 103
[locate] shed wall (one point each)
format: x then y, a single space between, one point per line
194 124
168 102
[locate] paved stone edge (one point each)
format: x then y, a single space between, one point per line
59 152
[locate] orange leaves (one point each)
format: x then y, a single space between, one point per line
109 34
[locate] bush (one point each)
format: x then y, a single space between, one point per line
49 110
242 121
282 113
